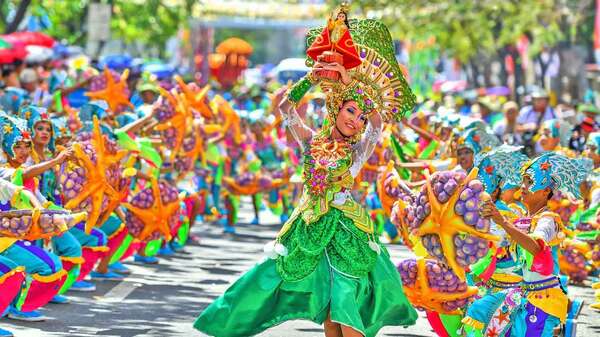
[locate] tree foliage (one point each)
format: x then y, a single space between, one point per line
469 28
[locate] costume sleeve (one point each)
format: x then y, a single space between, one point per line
545 230
8 191
365 148
7 173
300 131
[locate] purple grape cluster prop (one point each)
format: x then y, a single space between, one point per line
19 223
189 142
169 137
168 192
393 189
573 263
264 181
144 199
244 179
98 82
454 231
163 110
72 181
182 164
443 290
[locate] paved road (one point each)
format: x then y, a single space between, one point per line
163 300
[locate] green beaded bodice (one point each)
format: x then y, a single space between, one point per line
328 183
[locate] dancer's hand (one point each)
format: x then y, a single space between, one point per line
345 77
489 211
64 155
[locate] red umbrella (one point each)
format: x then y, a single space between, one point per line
9 52
29 39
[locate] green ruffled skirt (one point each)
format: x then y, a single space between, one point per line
318 281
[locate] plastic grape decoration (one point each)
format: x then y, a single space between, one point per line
149 218
27 225
445 217
572 260
430 285
163 110
169 137
245 179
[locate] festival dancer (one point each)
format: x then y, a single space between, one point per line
78 251
538 233
499 273
44 269
326 265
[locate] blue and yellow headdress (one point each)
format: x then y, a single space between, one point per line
478 139
91 109
557 172
61 127
14 130
13 98
34 115
94 109
500 167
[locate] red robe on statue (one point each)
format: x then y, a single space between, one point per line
345 47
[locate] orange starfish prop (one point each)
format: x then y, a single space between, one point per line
181 119
196 100
445 223
399 220
197 151
97 185
421 295
155 218
232 120
114 93
387 202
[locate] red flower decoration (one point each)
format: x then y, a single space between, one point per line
476 138
489 169
545 166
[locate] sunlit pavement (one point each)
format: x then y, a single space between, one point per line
163 300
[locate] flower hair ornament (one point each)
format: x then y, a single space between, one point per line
557 172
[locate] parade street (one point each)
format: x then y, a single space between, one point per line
164 300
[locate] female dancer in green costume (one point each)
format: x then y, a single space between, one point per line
326 265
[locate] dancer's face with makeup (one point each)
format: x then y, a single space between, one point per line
350 119
43 133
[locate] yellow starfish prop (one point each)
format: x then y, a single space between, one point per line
155 218
114 93
196 100
421 295
387 202
445 223
181 119
97 185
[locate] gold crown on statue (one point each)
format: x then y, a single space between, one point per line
344 7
